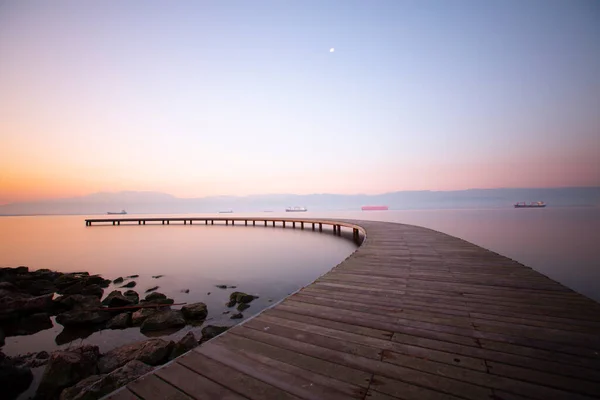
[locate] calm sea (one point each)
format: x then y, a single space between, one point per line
562 243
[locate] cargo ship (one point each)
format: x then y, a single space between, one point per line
537 204
374 208
296 209
122 212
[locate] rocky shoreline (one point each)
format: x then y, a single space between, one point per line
29 299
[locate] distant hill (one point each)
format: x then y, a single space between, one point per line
155 202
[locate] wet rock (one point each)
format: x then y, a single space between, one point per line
226 312
195 311
129 284
9 287
118 280
82 317
66 280
155 296
19 304
165 302
208 294
157 276
152 289
71 333
242 306
75 288
31 360
140 315
237 316
95 280
116 299
210 331
221 286
93 290
65 368
186 343
37 287
133 276
96 386
42 355
13 379
120 321
132 295
163 320
231 303
151 352
28 325
241 297
185 291
78 302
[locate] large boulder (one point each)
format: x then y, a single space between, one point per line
163 320
13 379
19 304
151 352
65 368
117 299
96 280
194 311
155 296
132 295
93 290
75 288
28 325
36 287
78 302
82 317
210 331
186 343
96 386
120 321
140 315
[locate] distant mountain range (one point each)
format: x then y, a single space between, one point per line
155 202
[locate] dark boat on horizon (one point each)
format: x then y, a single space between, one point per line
122 212
537 204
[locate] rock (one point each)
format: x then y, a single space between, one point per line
28 325
208 294
75 288
242 306
118 280
72 333
231 303
241 297
222 286
78 302
31 360
13 379
186 343
132 295
163 320
151 352
226 312
97 386
140 315
37 287
9 287
1 337
133 276
155 296
152 289
120 321
17 305
65 368
129 284
210 331
66 280
165 302
195 311
42 355
93 290
157 276
185 291
116 299
237 316
82 317
232 287
95 280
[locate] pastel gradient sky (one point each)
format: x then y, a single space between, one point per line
199 98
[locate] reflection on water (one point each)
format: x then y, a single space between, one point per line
193 259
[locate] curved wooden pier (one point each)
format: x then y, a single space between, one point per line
412 314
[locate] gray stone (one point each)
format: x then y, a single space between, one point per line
132 295
99 385
163 320
152 289
79 302
82 317
210 331
151 352
140 315
186 343
241 297
93 290
221 286
65 368
155 296
237 316
120 321
15 305
129 284
242 306
157 276
116 299
194 311
118 280
133 276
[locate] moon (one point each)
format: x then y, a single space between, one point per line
331 50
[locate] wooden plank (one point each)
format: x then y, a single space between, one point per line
406 391
294 384
151 387
235 380
121 394
194 384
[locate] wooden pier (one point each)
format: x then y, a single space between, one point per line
412 314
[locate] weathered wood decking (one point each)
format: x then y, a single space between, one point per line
412 314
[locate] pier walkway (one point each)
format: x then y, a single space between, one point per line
412 314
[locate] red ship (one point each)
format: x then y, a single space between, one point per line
374 208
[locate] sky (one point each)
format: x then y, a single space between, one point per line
203 98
